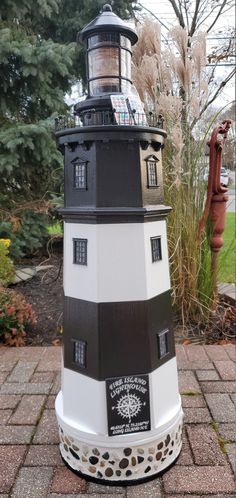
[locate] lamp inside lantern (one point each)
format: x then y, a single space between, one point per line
109 63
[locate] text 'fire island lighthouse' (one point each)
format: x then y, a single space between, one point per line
119 409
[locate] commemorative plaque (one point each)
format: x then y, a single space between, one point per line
128 408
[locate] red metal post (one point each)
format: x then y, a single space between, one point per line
215 207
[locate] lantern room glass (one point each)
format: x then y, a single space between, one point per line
108 63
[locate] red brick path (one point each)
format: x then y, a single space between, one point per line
30 463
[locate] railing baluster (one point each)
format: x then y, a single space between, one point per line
95 117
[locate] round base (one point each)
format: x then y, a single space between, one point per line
106 482
120 459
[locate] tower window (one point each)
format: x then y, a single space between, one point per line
80 175
162 342
80 351
156 249
152 180
80 251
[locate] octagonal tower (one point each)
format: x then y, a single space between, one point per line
119 409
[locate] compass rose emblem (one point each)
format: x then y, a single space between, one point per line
128 406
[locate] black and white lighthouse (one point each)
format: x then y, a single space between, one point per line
119 410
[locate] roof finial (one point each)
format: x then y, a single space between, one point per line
107 8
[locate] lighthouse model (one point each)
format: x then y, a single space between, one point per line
119 410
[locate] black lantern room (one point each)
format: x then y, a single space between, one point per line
108 43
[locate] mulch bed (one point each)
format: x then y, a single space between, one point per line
45 293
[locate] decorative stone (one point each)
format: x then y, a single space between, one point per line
67 440
140 451
109 472
118 473
65 447
75 455
75 447
102 463
159 446
150 458
95 451
93 460
133 461
127 451
166 451
99 474
111 462
158 455
140 459
106 456
124 463
151 450
147 470
167 440
84 459
128 473
92 470
85 450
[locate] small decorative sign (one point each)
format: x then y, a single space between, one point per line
128 407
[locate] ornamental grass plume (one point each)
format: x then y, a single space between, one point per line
175 86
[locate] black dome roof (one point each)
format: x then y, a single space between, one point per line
108 21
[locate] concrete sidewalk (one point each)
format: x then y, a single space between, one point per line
30 464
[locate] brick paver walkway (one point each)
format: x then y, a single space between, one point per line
30 464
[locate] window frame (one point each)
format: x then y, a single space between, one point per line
153 249
85 262
80 162
163 333
152 161
83 344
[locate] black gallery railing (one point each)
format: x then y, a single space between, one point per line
104 118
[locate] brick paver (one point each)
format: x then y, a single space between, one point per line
64 481
219 387
30 461
29 410
205 445
32 482
199 480
196 415
228 431
11 458
47 431
22 371
16 434
222 407
226 369
216 352
188 383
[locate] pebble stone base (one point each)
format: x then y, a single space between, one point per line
121 464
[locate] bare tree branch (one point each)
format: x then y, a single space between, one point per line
178 13
195 16
214 96
217 16
153 15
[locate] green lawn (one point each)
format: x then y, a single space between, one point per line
227 259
